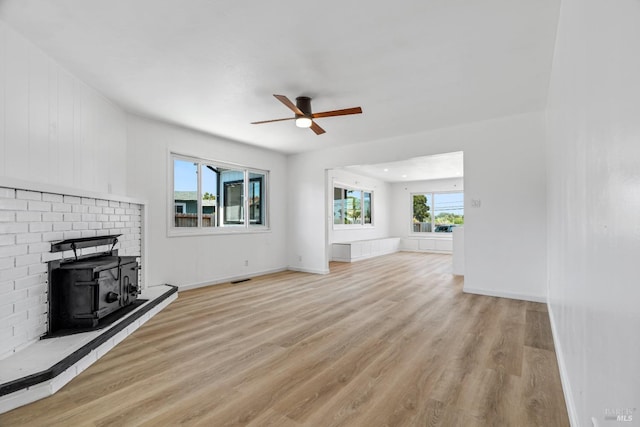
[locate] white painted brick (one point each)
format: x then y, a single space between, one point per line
13 227
114 204
62 226
61 380
88 233
6 310
104 348
114 218
36 310
100 202
72 217
6 287
80 226
88 217
88 201
27 259
15 319
40 227
60 207
72 235
6 331
7 193
7 216
7 262
13 273
28 195
125 218
37 332
13 205
37 269
107 225
38 248
38 291
49 197
102 218
108 211
79 209
72 200
119 225
30 281
39 206
118 211
28 238
103 232
28 216
6 251
52 217
86 361
7 239
95 225
53 236
50 256
95 210
27 304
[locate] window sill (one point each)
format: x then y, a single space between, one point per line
217 231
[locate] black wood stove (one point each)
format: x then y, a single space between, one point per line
92 291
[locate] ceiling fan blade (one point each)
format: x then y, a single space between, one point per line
271 121
289 104
317 129
346 111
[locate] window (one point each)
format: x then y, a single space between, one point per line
352 206
212 195
436 212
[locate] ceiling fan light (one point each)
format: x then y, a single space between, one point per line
303 122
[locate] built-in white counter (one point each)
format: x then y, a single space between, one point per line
439 244
361 249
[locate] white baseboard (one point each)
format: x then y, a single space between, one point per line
501 294
308 270
229 279
564 375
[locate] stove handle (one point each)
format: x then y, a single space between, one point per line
112 297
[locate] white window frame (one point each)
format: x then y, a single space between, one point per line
433 224
362 190
246 227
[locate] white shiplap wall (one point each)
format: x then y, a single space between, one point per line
54 128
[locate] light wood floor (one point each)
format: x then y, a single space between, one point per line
382 342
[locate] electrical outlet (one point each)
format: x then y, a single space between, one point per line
476 203
246 263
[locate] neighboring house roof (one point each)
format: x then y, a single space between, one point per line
185 195
191 196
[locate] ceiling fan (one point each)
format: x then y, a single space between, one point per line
303 115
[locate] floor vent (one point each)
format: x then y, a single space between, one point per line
239 281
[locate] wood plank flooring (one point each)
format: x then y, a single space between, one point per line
390 341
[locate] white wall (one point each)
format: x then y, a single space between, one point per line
401 202
381 207
199 260
54 129
593 155
504 167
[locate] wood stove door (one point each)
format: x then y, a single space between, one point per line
108 292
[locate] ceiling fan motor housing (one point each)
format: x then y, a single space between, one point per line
304 104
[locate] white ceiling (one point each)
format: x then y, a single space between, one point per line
440 166
213 66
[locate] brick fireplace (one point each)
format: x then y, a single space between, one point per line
29 222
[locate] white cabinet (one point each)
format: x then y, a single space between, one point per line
440 244
363 249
